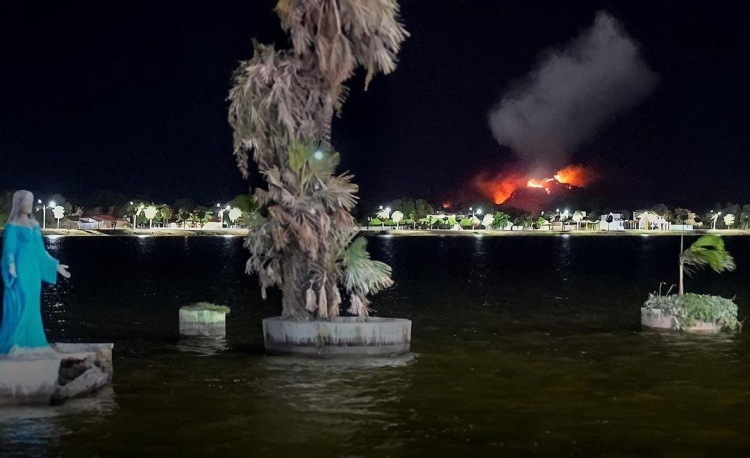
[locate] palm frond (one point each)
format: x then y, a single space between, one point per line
362 274
707 251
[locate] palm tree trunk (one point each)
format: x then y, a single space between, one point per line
292 298
682 269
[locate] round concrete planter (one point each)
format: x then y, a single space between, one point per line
372 336
656 319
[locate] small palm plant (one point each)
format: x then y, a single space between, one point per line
706 251
692 309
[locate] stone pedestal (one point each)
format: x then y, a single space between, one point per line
372 336
50 377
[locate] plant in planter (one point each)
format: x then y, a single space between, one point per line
282 104
694 312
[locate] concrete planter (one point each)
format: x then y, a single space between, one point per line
202 322
372 336
62 372
657 319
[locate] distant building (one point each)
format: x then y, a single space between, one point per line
101 222
612 222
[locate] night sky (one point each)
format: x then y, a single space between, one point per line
131 97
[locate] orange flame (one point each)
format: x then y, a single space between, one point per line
532 183
501 188
576 175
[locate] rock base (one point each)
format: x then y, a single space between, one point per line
372 336
66 371
656 319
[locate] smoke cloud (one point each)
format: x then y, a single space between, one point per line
572 94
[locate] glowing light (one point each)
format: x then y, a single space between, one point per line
52 203
535 183
576 175
502 187
318 155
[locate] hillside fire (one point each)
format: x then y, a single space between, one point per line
501 187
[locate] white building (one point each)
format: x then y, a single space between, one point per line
612 222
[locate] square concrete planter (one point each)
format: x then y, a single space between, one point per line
202 322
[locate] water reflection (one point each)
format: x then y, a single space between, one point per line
202 345
38 430
333 400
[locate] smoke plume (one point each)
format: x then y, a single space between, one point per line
572 94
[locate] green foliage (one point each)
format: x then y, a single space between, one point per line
362 275
245 202
376 222
541 222
6 202
500 220
707 251
422 209
466 222
207 307
62 201
690 309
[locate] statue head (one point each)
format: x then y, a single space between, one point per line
23 204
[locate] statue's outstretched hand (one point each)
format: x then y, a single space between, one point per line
12 270
62 269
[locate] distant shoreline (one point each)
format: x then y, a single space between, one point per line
143 233
575 233
369 232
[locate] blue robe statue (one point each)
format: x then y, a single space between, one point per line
21 328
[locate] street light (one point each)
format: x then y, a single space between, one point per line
44 212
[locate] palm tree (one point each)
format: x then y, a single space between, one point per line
706 251
282 104
397 217
150 213
166 214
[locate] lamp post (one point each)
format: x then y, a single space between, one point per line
131 204
44 213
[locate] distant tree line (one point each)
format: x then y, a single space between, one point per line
144 211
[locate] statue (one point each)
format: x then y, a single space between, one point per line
25 265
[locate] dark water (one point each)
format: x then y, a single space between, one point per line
523 346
